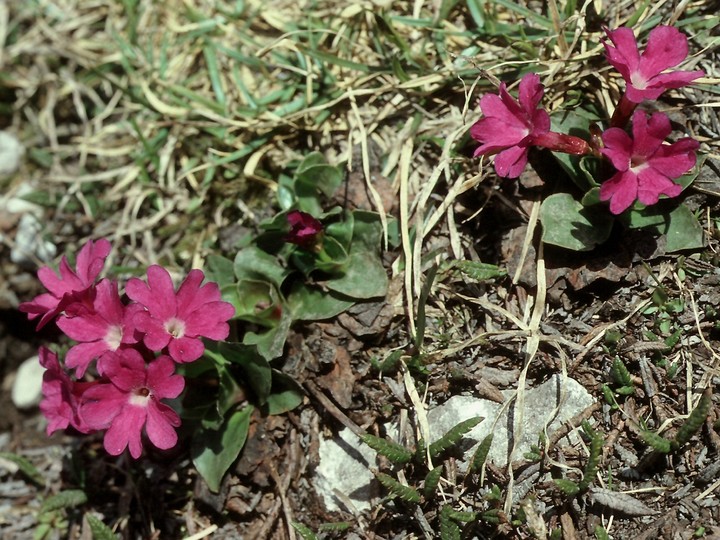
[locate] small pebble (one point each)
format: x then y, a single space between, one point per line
11 151
27 387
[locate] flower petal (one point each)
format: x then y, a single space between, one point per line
621 190
186 349
81 355
511 162
162 379
618 148
160 426
530 92
648 136
675 159
126 431
624 56
666 47
652 184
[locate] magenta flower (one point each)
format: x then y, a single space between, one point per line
644 73
304 229
130 401
61 395
103 328
178 320
646 167
511 127
71 286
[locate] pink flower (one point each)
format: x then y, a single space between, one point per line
61 395
304 229
103 328
646 167
130 401
71 286
643 73
178 320
511 127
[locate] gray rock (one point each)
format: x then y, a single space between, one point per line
343 478
26 388
540 405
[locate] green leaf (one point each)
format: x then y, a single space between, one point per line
480 271
365 277
367 231
255 264
334 526
25 467
694 421
220 270
596 445
645 218
566 223
256 301
684 231
256 369
453 436
659 443
601 533
395 452
421 321
69 498
311 160
304 531
481 454
620 373
568 487
406 493
271 344
582 170
309 303
99 530
314 181
389 363
449 530
214 451
286 394
342 231
432 479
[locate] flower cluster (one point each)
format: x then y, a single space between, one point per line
133 344
645 166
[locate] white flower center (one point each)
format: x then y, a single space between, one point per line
175 327
638 164
113 337
638 81
140 397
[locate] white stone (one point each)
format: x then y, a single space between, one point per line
11 151
14 203
540 408
343 475
26 389
29 243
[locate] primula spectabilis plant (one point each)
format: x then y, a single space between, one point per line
133 345
645 166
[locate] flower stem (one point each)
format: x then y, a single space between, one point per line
559 142
623 112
